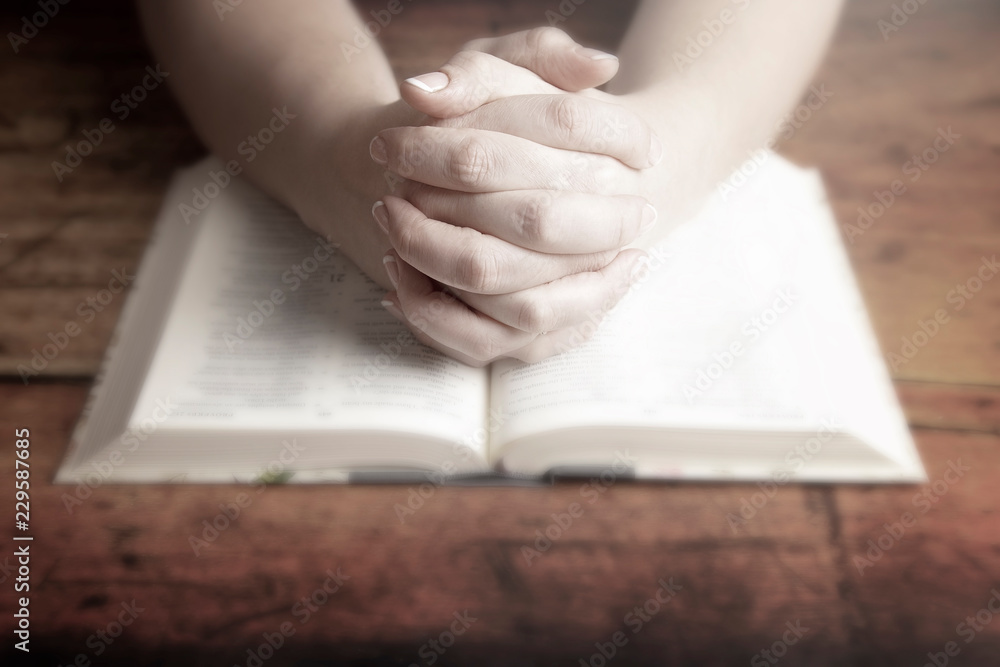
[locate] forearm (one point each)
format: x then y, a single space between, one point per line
230 74
728 93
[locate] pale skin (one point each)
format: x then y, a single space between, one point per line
518 196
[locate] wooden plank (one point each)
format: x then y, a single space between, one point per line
906 279
45 318
936 406
889 99
794 560
125 542
926 577
791 561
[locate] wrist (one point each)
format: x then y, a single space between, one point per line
687 127
335 182
333 158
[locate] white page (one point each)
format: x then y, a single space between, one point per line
328 358
721 280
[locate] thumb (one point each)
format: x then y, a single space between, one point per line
553 55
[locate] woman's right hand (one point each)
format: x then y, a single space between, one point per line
518 200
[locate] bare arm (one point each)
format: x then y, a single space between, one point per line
230 71
713 79
716 77
710 79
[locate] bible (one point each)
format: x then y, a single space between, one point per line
250 349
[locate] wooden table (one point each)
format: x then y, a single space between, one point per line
794 565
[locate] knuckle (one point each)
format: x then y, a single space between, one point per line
413 150
478 75
568 117
478 270
544 38
471 163
534 221
466 62
536 316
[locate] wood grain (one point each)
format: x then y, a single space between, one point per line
793 560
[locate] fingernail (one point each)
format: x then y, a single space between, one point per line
381 215
430 83
655 150
377 149
594 54
649 216
391 269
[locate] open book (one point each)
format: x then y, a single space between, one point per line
250 347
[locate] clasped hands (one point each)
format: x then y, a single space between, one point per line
512 204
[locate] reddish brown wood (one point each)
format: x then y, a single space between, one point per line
793 560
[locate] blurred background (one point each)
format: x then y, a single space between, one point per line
895 90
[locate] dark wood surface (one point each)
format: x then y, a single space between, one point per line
796 560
